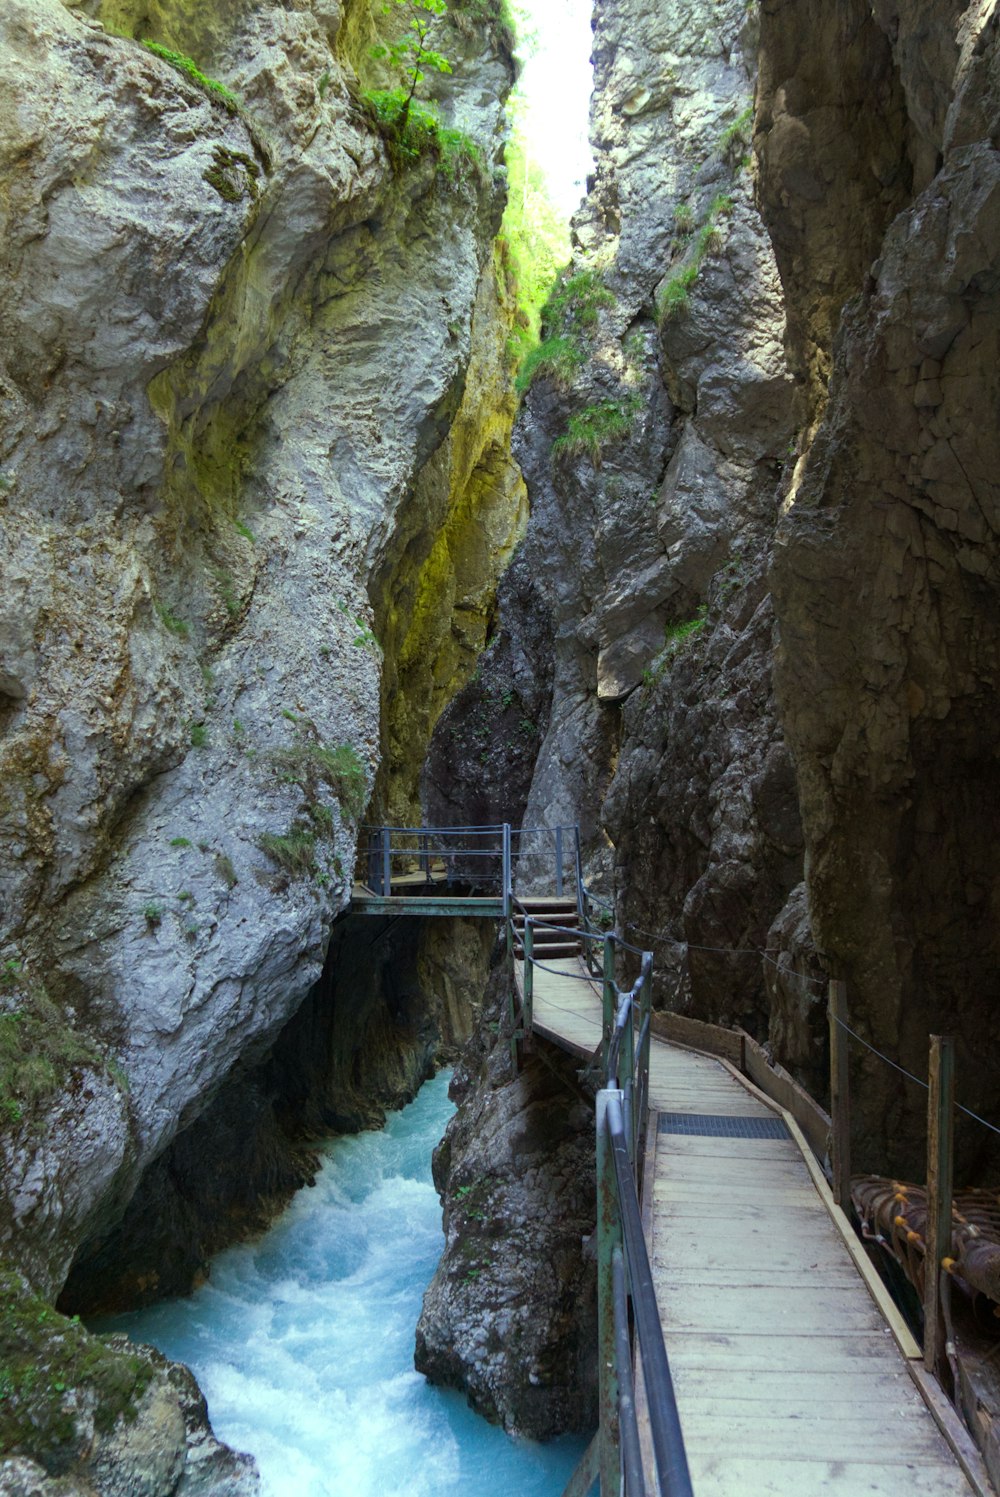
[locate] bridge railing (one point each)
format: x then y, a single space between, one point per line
473 857
469 856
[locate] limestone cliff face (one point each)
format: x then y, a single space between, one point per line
653 440
233 342
885 569
654 468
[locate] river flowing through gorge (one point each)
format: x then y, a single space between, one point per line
303 1340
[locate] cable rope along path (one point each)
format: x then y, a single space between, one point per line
746 1344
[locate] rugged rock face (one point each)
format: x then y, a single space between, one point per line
884 575
233 342
654 468
396 1000
482 754
245 349
510 1316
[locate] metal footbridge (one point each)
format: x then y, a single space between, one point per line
747 1346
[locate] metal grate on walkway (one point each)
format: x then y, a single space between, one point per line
706 1126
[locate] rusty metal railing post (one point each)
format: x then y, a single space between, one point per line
840 1097
529 972
609 1237
609 998
559 861
940 1160
386 861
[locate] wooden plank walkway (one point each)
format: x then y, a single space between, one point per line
789 1380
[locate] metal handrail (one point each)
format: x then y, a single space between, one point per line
456 844
664 1418
624 1270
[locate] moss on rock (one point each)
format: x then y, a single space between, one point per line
58 1383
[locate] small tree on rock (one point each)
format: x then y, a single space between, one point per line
412 52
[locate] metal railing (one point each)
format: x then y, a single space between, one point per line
494 857
469 857
624 1274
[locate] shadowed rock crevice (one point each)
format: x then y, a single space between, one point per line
397 998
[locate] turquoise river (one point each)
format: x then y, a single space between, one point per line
303 1340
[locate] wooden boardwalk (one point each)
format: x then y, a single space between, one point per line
790 1380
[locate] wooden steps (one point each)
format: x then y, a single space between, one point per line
547 945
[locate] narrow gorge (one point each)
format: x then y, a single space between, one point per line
338 490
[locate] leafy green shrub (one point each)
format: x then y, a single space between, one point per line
412 130
215 90
199 735
591 429
411 52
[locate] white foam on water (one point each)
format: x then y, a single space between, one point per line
303 1340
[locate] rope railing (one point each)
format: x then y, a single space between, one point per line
917 1080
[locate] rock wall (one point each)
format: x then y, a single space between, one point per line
885 567
654 456
234 339
510 1316
245 353
396 1000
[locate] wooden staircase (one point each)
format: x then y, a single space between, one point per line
548 945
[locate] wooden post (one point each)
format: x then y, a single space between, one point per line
840 1097
940 1151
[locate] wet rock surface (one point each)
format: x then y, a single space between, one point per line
884 582
510 1316
82 1414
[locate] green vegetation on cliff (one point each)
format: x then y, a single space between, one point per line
45 1362
537 239
186 65
412 130
566 321
38 1048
